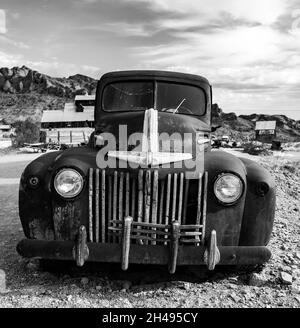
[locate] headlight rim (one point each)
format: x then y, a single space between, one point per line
71 168
242 190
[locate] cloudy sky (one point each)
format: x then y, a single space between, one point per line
248 49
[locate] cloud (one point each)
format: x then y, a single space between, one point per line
247 49
58 68
3 21
17 44
264 12
10 60
119 28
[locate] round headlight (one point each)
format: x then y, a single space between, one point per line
228 188
68 183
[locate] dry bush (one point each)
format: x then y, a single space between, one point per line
256 148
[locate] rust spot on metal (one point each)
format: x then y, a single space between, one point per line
80 250
66 221
38 230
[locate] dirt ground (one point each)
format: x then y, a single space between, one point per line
278 285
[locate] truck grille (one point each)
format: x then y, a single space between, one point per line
152 203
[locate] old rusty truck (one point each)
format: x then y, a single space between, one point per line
148 188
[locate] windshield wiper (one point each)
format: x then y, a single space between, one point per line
176 109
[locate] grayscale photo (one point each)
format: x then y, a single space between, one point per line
149 157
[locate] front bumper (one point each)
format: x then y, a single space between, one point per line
125 253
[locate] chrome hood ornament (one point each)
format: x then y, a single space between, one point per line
150 154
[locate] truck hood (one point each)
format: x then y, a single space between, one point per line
152 137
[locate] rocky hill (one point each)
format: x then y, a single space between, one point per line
242 127
26 93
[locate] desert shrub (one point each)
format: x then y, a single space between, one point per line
26 132
290 168
256 148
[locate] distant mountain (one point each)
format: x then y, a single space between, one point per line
26 93
242 127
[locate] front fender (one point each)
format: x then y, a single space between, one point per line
225 220
259 210
35 203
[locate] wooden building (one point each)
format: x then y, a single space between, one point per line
265 131
73 124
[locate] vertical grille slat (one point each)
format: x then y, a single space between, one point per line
140 201
147 196
110 195
167 203
133 195
180 197
97 203
186 194
121 196
103 216
198 218
91 191
127 191
204 206
174 197
168 199
154 197
153 202
115 196
161 201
